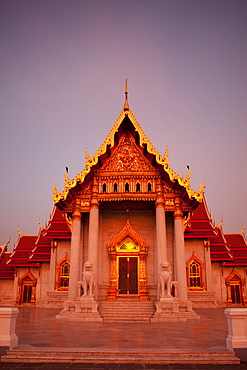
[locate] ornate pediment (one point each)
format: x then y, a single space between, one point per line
127 240
127 157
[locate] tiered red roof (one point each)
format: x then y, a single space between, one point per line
30 250
6 272
57 227
238 246
22 251
219 248
42 248
201 226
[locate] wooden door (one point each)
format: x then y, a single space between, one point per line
128 275
236 293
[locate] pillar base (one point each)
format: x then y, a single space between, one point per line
169 309
82 309
237 328
8 338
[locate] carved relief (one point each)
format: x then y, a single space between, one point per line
127 158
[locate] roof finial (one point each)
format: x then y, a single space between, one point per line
126 103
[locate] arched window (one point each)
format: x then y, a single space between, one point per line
127 187
149 187
195 273
104 188
195 276
115 187
63 268
64 276
138 187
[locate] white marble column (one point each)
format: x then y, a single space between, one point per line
75 252
179 254
208 269
52 272
93 238
161 242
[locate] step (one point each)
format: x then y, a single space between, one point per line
79 355
126 310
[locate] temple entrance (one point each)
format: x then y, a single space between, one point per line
128 275
128 253
27 289
235 291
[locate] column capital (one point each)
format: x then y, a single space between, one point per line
159 194
178 213
94 203
54 244
206 244
76 215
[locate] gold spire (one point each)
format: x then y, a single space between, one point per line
126 103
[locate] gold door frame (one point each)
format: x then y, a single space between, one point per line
118 275
235 279
140 249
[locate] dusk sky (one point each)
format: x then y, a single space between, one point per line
63 66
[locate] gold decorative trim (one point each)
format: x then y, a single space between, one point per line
128 234
109 141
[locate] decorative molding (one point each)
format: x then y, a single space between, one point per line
144 141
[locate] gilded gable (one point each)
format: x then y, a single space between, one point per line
126 158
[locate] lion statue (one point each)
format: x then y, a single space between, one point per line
87 282
165 279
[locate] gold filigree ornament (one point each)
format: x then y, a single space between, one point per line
109 141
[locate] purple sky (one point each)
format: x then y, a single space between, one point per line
63 66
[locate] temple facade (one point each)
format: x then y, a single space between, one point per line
127 239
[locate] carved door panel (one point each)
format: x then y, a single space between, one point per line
236 295
26 294
128 275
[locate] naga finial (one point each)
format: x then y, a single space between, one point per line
66 177
126 103
166 156
187 178
55 192
201 188
221 222
87 156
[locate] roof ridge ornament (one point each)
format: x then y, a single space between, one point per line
126 103
109 142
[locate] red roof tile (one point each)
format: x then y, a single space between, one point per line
6 272
57 227
22 251
42 249
238 247
201 226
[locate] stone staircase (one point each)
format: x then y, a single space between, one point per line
29 354
126 309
